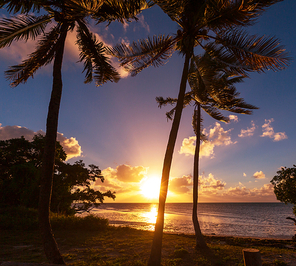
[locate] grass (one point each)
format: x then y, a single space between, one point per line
91 242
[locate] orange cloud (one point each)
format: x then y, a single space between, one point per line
180 185
241 190
70 145
210 184
126 173
259 175
234 118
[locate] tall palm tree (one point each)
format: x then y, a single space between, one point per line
212 89
65 16
215 26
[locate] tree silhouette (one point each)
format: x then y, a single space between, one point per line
216 27
213 89
65 16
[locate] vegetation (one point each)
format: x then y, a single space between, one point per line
22 218
21 162
65 16
284 185
215 27
91 242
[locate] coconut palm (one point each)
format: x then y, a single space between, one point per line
65 16
215 26
212 89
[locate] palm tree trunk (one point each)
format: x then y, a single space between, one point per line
50 246
200 242
155 255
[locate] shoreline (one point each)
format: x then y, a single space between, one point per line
128 225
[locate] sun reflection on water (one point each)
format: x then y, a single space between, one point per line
151 215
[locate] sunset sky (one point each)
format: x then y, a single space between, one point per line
120 128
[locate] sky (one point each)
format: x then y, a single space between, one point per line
119 127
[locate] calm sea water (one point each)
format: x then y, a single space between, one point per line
267 220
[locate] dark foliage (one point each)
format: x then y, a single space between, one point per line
20 164
284 184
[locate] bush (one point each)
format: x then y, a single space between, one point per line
22 218
89 222
18 218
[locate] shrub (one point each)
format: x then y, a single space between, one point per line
22 218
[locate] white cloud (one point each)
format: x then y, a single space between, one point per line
70 145
259 175
248 132
268 131
216 136
233 118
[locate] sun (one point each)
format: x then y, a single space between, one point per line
150 187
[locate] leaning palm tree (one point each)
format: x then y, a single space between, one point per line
65 16
212 89
215 26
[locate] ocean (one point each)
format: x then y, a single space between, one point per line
264 220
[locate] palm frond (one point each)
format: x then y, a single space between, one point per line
163 102
173 8
225 14
21 27
255 53
81 8
15 6
213 112
42 56
228 60
92 53
120 10
144 53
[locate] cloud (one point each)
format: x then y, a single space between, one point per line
259 175
248 132
126 173
18 51
242 191
70 145
268 131
233 118
180 185
216 136
210 184
239 190
143 23
244 174
125 26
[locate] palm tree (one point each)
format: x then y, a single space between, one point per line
215 26
65 15
212 88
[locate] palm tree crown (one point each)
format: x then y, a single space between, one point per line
65 16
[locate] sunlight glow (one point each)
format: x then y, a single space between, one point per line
150 187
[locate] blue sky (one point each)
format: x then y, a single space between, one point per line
120 128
